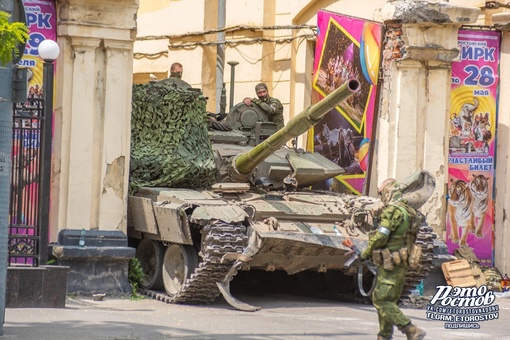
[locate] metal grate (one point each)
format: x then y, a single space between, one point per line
24 236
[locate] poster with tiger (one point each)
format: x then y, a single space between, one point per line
471 143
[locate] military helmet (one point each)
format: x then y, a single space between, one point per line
389 190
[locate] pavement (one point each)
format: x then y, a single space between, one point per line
281 317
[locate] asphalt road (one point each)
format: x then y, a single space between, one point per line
281 317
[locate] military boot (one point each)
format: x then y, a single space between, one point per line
380 337
412 332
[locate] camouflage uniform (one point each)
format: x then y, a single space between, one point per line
273 108
394 225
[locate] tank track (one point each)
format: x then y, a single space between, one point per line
425 239
218 239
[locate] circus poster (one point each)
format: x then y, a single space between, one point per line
346 48
471 143
41 19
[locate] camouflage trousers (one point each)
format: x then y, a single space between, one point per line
385 296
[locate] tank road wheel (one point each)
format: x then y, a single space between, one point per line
150 255
179 263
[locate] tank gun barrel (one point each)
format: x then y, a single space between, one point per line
244 163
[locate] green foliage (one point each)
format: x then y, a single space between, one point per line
135 275
11 34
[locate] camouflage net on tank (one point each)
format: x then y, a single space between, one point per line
169 142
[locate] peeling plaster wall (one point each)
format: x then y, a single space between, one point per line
114 177
415 97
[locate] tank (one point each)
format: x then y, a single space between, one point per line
260 214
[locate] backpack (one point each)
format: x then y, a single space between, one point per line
416 219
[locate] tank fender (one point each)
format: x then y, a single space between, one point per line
173 222
141 215
230 214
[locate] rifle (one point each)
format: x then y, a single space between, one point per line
357 255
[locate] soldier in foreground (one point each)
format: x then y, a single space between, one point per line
388 248
272 106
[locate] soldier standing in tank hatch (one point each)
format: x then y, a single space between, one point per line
388 248
271 106
175 77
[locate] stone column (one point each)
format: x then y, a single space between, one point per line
415 98
502 185
81 150
116 135
92 142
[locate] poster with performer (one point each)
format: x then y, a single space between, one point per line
472 143
346 48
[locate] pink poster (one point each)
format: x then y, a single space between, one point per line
42 24
472 142
346 48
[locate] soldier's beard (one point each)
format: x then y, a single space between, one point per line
263 98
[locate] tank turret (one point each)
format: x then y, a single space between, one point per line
253 152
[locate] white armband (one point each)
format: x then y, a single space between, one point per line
384 230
